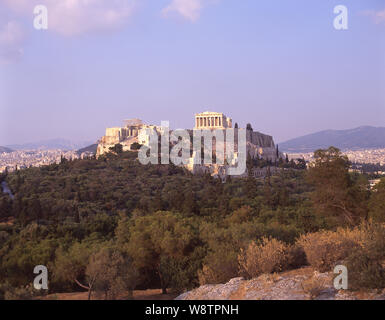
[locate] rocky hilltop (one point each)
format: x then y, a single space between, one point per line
135 133
300 284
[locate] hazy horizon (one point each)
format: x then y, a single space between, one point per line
90 141
281 67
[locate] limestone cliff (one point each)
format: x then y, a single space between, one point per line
126 136
106 143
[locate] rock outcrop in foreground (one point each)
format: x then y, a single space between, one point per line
301 284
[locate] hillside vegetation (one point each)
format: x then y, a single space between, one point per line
111 225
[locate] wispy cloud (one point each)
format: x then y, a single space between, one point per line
377 16
187 9
11 40
74 17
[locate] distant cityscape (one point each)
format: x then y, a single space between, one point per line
357 158
36 158
364 146
372 156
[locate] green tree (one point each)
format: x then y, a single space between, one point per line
135 146
118 148
157 239
189 204
243 214
377 202
251 187
267 189
111 273
71 265
336 193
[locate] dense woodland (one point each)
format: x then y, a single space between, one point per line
111 225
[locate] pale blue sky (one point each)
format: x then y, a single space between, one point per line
277 64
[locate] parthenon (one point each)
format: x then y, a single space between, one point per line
212 120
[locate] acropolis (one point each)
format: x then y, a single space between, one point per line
258 145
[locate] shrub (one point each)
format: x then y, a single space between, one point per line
366 264
361 249
207 276
325 248
296 257
219 267
9 292
364 271
270 255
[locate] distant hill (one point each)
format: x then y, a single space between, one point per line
51 144
6 150
92 148
359 138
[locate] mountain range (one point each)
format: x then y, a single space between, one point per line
51 144
365 137
6 150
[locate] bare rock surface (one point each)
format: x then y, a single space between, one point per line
300 284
